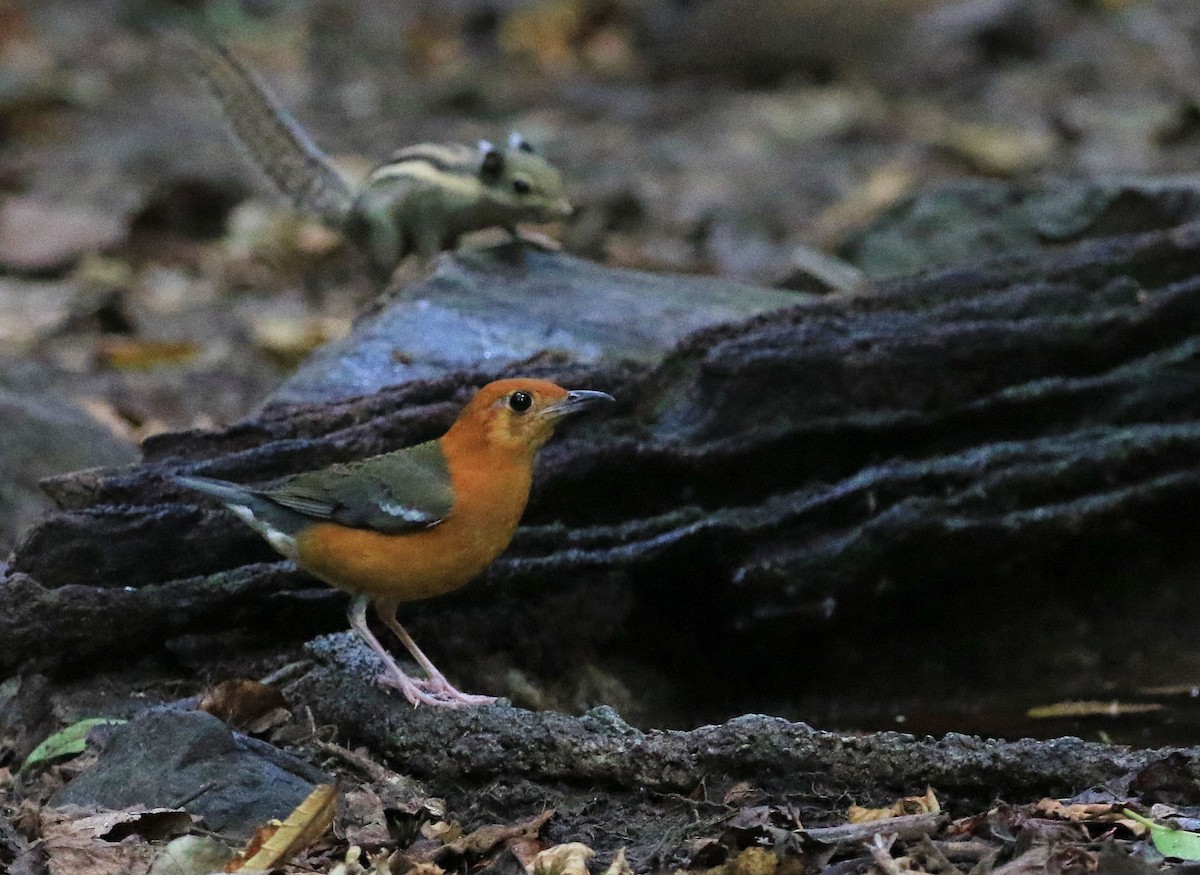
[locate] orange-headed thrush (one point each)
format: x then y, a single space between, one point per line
416 522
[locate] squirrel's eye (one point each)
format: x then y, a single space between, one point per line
520 401
521 186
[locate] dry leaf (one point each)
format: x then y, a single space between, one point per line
609 50
742 794
114 826
74 855
433 44
242 701
526 851
568 859
543 33
926 804
1190 691
313 238
484 839
1032 862
753 861
153 825
286 342
132 354
30 312
705 853
380 864
886 186
425 868
275 843
619 865
106 413
276 236
192 855
104 843
362 818
1099 812
104 271
1091 709
350 864
441 831
997 149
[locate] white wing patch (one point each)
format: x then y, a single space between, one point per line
404 512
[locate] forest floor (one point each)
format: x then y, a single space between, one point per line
150 281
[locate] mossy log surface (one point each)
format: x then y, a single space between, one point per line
653 792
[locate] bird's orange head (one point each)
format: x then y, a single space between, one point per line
519 414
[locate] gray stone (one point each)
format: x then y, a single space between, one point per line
974 220
170 759
42 437
488 308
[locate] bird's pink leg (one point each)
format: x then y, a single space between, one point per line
415 691
437 683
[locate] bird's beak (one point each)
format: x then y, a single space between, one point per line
579 399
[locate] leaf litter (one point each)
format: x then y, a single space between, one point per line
380 822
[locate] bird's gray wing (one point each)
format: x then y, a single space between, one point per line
395 492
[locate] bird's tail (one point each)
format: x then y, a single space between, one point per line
230 493
277 524
275 141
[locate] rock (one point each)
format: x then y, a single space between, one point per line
511 303
979 219
192 760
26 714
44 437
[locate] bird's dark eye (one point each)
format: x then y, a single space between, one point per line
520 401
522 186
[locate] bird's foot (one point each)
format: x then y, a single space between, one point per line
437 685
416 692
431 692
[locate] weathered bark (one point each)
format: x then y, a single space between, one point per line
1034 418
653 791
477 746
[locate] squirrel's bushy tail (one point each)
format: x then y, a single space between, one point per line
275 141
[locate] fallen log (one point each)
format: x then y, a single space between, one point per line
652 792
1035 418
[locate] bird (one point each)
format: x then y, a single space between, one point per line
413 523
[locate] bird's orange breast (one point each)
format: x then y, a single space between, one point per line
489 498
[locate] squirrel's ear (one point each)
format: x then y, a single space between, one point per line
491 167
516 141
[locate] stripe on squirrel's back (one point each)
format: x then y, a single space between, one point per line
419 170
449 157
